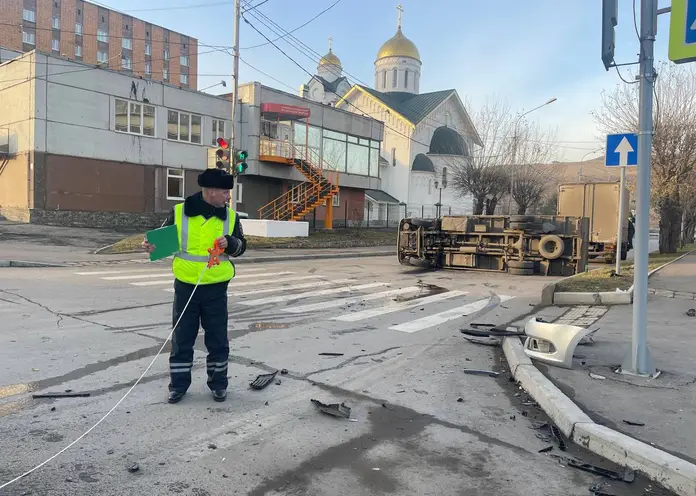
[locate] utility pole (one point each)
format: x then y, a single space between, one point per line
622 214
639 361
235 77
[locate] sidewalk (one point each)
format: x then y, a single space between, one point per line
666 405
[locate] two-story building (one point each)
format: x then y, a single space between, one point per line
90 146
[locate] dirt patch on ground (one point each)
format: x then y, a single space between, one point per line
339 238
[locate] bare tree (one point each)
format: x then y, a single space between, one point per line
483 174
533 146
673 144
688 194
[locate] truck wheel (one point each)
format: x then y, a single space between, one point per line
551 246
520 272
522 218
520 264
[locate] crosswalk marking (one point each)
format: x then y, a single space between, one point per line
295 287
263 281
350 300
152 276
446 316
397 307
108 272
309 294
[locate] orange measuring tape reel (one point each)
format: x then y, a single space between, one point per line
215 253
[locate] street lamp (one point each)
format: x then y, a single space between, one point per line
440 186
223 83
514 146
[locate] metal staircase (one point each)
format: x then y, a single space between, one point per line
301 200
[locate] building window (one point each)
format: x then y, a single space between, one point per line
166 54
165 74
127 43
183 127
384 79
218 130
239 193
448 119
148 50
148 69
55 45
28 38
29 15
56 23
126 63
183 60
78 29
406 78
102 36
134 118
183 78
175 184
393 157
102 57
394 76
336 200
78 51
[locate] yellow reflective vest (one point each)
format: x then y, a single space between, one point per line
196 235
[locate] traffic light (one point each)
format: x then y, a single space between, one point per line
240 164
222 155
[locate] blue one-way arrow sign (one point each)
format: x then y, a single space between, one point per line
622 150
690 35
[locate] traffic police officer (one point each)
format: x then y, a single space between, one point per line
202 219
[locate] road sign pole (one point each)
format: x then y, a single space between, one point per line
639 361
622 214
235 98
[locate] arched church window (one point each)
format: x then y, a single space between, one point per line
448 119
406 78
384 79
393 157
394 75
430 186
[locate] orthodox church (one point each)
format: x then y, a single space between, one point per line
424 134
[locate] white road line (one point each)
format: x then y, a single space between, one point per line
107 272
354 299
296 286
446 316
153 276
309 294
397 307
262 281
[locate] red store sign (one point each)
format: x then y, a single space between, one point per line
283 109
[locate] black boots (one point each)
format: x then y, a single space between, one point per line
220 395
175 396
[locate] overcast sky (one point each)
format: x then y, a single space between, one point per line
523 51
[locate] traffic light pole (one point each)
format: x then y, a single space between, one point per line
639 361
235 77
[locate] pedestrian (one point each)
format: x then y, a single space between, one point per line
202 219
631 230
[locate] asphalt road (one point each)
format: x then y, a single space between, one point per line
419 425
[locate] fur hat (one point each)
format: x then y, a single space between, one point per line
216 178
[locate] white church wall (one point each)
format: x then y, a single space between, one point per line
395 177
450 114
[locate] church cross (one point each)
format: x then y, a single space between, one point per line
330 43
401 11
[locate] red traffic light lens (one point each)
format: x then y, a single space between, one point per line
222 143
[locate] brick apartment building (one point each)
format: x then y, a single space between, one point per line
86 32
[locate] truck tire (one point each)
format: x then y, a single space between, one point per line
520 272
522 218
520 264
551 247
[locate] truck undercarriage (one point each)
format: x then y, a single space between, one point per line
517 244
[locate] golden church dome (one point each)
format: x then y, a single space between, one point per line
330 59
398 46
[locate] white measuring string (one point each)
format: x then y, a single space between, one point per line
119 401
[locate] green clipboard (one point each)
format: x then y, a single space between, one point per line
166 241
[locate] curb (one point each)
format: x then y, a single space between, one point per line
549 296
668 470
317 256
19 263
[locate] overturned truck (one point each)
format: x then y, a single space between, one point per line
517 244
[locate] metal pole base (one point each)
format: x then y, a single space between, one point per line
644 369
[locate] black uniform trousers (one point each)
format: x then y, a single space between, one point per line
208 308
